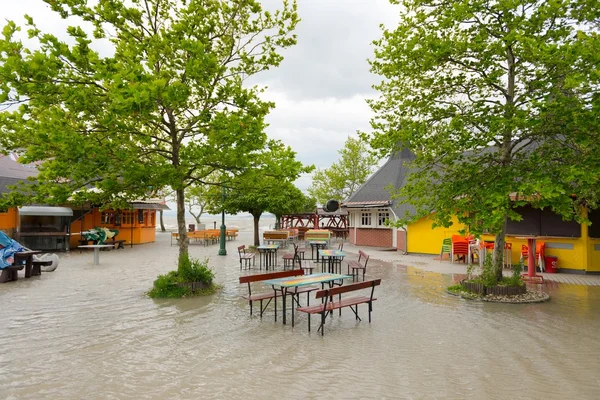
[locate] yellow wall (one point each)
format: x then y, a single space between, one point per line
422 239
575 259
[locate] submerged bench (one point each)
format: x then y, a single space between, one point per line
118 244
356 266
317 234
329 304
10 273
276 236
270 295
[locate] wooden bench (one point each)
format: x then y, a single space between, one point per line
276 236
317 234
266 295
360 264
329 305
117 244
245 257
37 267
10 273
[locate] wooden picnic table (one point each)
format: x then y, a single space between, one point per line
333 258
283 284
268 252
318 245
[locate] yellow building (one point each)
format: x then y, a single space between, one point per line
576 246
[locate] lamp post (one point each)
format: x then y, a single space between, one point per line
222 249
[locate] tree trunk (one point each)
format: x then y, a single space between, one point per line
256 232
277 221
162 223
498 256
181 228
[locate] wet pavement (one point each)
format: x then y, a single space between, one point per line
88 331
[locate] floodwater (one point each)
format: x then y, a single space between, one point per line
87 332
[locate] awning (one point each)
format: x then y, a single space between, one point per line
150 206
46 211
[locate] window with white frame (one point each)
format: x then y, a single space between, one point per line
365 218
383 215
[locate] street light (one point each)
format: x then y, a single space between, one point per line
222 249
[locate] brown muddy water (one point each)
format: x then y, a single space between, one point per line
89 332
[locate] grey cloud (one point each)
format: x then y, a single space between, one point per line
334 43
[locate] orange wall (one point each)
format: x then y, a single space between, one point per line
8 221
139 234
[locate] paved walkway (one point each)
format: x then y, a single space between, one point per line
427 263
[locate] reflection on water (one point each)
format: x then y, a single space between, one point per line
89 332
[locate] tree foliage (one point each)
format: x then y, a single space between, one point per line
266 187
344 177
168 107
495 98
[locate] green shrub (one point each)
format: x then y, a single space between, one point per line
488 275
165 287
193 270
188 270
515 279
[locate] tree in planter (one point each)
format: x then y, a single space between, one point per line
167 107
494 98
344 177
266 187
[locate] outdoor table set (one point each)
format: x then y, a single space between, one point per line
283 285
268 254
332 259
316 245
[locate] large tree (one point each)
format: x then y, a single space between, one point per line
167 106
499 101
345 176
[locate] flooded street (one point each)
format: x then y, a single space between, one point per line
85 332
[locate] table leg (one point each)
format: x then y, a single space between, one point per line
284 295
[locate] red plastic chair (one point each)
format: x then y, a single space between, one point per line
540 250
460 246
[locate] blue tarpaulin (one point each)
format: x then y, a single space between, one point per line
8 248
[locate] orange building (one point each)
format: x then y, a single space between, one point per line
59 228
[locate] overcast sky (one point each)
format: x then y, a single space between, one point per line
321 86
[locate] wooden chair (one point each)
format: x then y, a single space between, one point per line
290 258
360 264
245 257
306 265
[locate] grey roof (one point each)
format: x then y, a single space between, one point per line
11 173
46 210
10 168
375 190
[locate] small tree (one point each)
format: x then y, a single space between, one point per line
496 98
344 177
265 187
197 200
